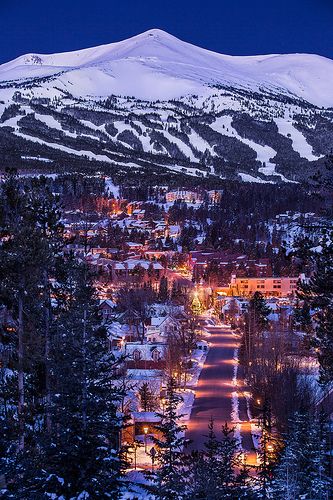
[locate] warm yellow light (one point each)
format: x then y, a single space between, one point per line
145 430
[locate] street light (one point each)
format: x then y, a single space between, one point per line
145 430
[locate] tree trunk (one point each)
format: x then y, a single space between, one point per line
47 354
84 382
21 399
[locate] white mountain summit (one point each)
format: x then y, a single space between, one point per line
157 65
154 104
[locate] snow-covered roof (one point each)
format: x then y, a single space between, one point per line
108 302
146 350
117 330
145 416
133 244
145 264
159 320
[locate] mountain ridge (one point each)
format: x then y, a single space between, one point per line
286 72
156 102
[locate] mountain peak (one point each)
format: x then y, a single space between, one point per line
157 65
156 33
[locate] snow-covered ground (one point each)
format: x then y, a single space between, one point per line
300 145
156 65
223 125
136 486
198 357
166 78
250 178
110 187
235 402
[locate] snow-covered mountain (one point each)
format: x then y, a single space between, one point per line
154 101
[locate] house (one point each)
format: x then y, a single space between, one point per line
140 429
153 334
134 269
117 334
173 231
202 345
214 196
231 307
239 304
138 214
145 422
165 324
144 356
160 229
106 309
158 254
132 246
226 263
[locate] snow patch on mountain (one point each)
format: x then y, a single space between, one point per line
300 144
157 65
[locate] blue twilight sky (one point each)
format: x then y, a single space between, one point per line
232 27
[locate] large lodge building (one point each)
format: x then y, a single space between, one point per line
270 287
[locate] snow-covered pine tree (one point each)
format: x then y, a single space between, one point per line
270 448
163 293
218 471
170 482
25 257
286 479
255 323
319 294
302 471
204 468
196 466
147 397
62 430
85 447
231 474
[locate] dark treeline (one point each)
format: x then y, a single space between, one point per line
58 394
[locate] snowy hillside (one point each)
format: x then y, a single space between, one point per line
154 99
156 58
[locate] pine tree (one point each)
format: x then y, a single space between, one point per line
163 294
303 467
256 320
211 469
318 293
147 397
229 462
270 448
25 257
85 396
196 304
169 479
218 471
199 486
62 433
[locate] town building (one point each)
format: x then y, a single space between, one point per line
269 286
183 195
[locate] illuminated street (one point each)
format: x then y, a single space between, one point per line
215 389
